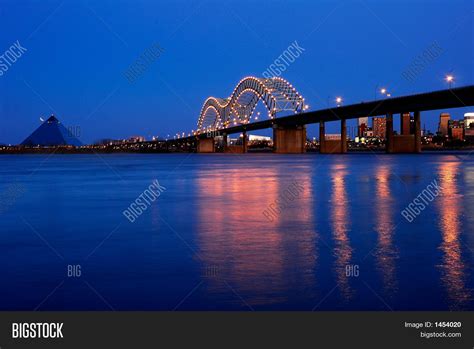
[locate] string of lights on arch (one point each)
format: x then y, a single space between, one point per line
276 93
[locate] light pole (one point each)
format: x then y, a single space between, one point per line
338 101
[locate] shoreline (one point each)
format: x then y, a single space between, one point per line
74 151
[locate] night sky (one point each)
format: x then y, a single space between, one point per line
78 51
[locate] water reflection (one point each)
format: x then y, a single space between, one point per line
341 222
386 253
247 250
453 267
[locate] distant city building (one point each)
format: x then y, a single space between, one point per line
108 141
369 133
379 127
468 120
427 137
52 133
456 129
363 124
136 139
364 120
443 124
333 137
259 138
469 127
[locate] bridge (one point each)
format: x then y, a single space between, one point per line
221 117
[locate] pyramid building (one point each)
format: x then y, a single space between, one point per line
51 133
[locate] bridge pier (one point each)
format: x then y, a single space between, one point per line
405 142
225 143
244 142
389 133
236 149
343 136
417 117
206 145
405 121
322 137
289 140
333 146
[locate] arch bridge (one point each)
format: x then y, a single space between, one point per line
235 114
277 94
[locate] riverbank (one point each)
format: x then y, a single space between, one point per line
164 150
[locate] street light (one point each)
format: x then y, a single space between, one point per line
450 80
339 101
379 89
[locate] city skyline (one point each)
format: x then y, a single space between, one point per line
220 118
83 82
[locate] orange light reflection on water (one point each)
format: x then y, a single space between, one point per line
386 253
449 205
340 221
250 251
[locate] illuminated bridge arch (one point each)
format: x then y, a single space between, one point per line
277 95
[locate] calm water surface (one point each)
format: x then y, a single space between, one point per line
205 244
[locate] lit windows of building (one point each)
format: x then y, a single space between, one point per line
363 124
456 129
469 127
379 127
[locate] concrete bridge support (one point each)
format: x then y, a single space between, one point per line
322 137
389 132
343 136
225 143
236 149
406 142
289 140
206 145
405 122
333 146
417 117
244 142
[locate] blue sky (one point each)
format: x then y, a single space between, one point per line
77 52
